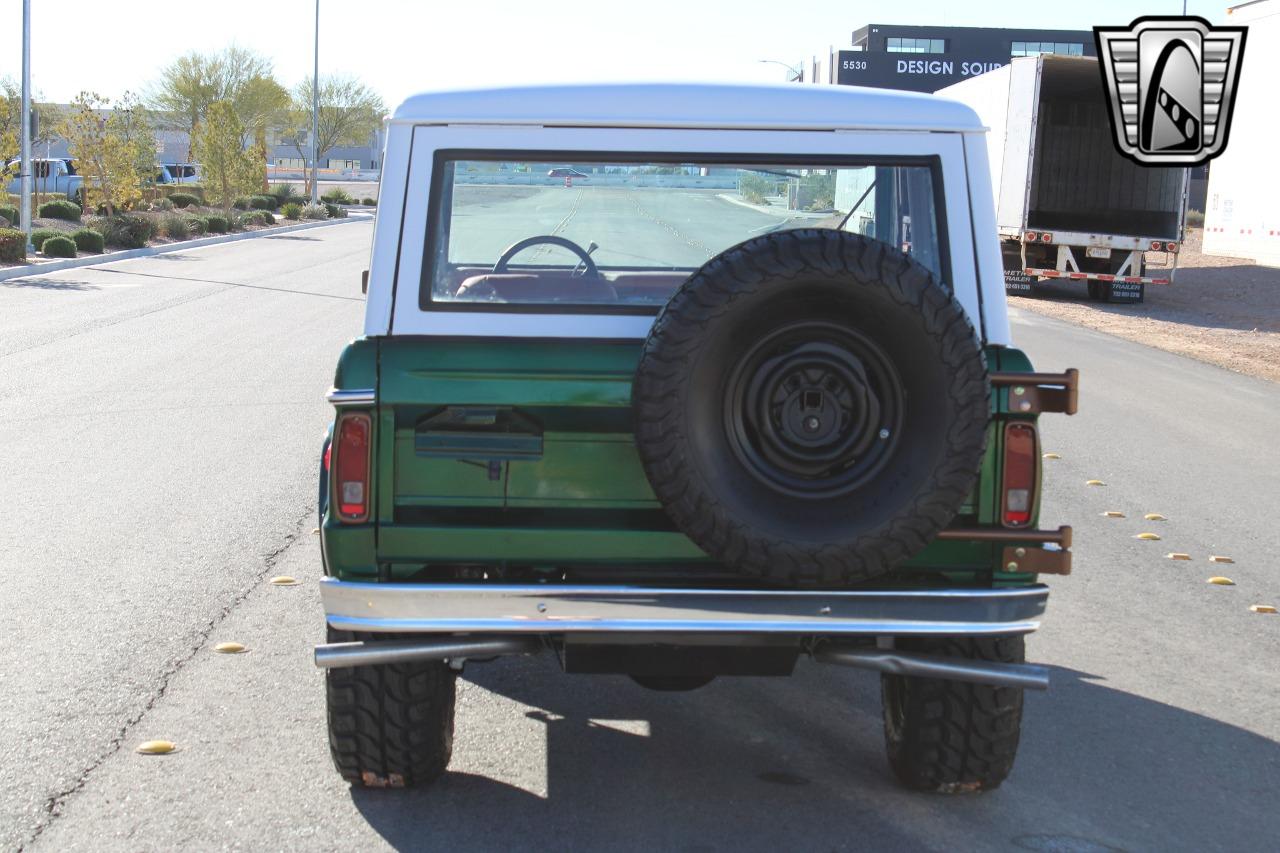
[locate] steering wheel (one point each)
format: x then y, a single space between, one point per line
552 240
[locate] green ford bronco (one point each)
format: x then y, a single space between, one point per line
679 382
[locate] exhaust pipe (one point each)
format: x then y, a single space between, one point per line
1025 675
375 652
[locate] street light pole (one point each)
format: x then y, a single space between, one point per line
25 217
315 115
797 72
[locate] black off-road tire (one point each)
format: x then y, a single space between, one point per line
952 737
896 323
390 726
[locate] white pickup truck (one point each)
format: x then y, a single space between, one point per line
52 175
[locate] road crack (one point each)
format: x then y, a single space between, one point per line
54 804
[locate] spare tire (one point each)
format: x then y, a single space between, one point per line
811 407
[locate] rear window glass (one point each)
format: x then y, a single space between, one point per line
551 234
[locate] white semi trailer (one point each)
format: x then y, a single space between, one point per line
1068 205
1242 208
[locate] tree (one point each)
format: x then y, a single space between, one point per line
138 135
106 145
260 103
229 170
11 127
189 84
349 112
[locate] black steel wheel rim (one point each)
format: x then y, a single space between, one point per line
814 409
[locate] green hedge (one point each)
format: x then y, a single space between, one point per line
39 235
217 224
369 202
175 226
87 240
59 247
9 214
124 231
60 210
264 202
336 196
13 246
183 199
197 225
292 210
334 211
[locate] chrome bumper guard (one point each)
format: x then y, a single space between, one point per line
550 609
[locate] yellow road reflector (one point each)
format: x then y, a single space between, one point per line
315 530
1262 608
1149 537
1221 581
156 747
1154 516
1176 555
1220 559
1052 456
229 648
1094 483
1113 513
283 580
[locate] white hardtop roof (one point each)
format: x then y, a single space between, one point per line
787 106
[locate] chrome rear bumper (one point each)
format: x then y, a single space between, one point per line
551 609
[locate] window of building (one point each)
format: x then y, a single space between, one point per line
344 164
1035 48
906 45
291 163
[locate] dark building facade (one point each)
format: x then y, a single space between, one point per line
925 59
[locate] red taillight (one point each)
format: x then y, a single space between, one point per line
1031 236
1019 474
350 467
1046 237
1171 247
1155 245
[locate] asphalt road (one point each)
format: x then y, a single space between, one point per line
159 424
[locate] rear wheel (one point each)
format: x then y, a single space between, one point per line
390 726
952 737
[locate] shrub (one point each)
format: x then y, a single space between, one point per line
315 211
197 225
369 202
335 212
161 203
183 199
264 202
174 226
87 240
39 235
13 246
217 224
9 214
125 232
336 196
60 210
1195 218
253 217
292 210
268 218
284 192
241 204
59 247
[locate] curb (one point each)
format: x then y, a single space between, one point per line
128 254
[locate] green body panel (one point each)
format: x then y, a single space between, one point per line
521 452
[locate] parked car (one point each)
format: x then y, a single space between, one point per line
50 175
721 442
178 173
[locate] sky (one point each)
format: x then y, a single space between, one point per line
399 47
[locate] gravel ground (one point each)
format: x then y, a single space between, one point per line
1225 311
